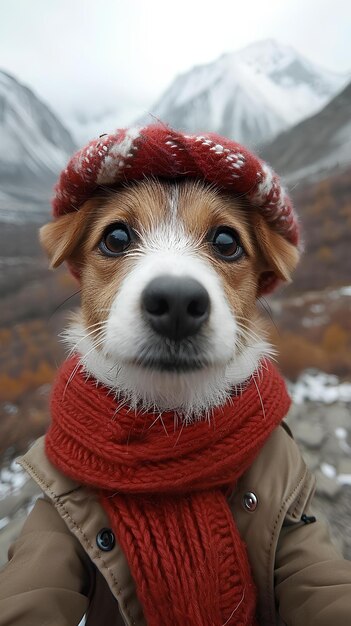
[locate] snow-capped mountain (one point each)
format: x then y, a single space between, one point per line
251 95
34 144
318 145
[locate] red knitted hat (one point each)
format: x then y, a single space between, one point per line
157 150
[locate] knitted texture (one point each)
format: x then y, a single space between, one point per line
159 151
164 486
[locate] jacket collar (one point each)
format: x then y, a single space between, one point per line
48 477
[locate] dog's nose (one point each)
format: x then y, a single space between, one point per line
176 307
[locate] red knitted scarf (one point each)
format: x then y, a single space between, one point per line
163 486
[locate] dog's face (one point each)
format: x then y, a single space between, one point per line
170 275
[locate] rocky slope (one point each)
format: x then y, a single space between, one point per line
317 145
34 147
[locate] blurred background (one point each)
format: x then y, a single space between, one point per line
275 76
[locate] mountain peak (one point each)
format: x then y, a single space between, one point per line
34 143
267 54
251 95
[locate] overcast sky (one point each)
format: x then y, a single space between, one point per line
98 55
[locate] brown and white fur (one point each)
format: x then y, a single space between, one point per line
171 222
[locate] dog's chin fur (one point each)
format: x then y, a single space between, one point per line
192 394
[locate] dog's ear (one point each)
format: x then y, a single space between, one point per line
61 237
279 255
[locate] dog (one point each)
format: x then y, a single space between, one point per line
173 491
170 276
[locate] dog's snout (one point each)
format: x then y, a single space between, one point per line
176 307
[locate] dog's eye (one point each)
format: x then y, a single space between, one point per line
226 243
117 238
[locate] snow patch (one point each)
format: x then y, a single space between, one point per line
344 479
12 478
319 387
328 470
4 522
341 433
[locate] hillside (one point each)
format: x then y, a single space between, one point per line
324 208
313 314
34 147
316 145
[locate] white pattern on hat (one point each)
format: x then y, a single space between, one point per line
264 187
116 156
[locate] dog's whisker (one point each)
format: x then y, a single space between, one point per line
72 375
101 322
65 335
98 342
243 341
175 421
263 302
260 397
76 368
180 432
119 407
64 302
100 326
163 425
159 417
247 329
154 422
235 609
249 359
245 338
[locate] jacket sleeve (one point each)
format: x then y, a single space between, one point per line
312 580
48 577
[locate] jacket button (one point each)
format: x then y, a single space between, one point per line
105 539
250 501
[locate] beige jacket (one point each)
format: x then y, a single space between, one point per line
57 572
